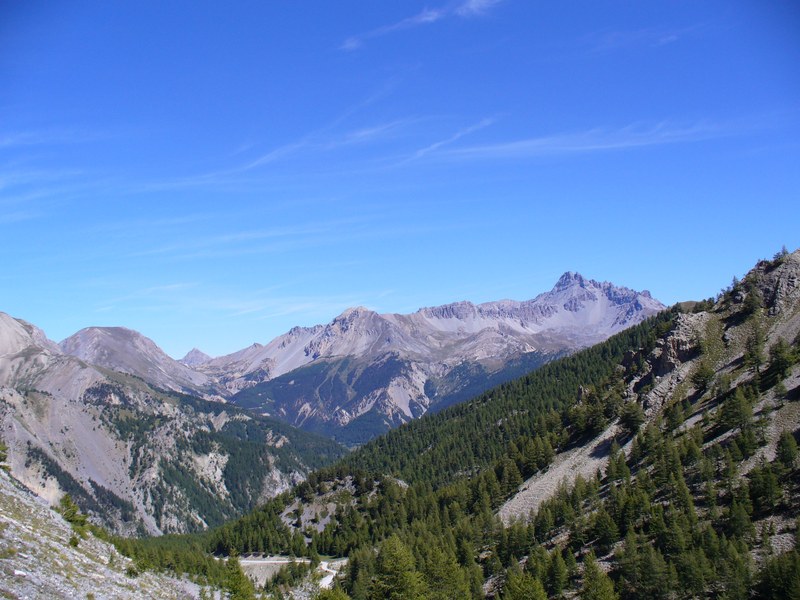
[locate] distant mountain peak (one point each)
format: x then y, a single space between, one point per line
572 278
128 351
195 357
354 311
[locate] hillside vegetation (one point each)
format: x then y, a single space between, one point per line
688 422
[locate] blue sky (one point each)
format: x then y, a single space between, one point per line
212 174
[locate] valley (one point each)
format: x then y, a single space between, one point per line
664 458
449 300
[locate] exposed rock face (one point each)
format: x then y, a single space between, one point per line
128 351
382 369
134 457
387 369
679 346
195 358
39 562
779 284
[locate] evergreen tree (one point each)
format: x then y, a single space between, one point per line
780 359
70 511
596 584
445 579
736 411
396 576
754 349
605 530
739 523
239 586
632 417
522 586
780 578
703 376
787 450
557 574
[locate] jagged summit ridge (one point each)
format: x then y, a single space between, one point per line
427 346
397 364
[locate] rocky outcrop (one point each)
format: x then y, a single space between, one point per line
680 345
38 560
778 282
136 458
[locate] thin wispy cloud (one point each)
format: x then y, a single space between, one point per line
453 138
18 216
594 140
650 37
257 241
309 146
428 16
472 8
258 305
20 139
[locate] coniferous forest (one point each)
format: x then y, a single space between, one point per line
697 497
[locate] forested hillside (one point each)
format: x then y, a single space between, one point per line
692 417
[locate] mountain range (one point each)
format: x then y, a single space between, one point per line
660 463
365 372
147 443
138 457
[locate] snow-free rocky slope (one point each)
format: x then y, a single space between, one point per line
128 351
717 338
37 560
365 372
135 457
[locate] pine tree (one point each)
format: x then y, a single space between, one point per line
596 584
70 511
557 575
632 417
446 581
736 411
780 359
522 586
787 450
605 530
396 577
240 587
703 376
739 523
754 349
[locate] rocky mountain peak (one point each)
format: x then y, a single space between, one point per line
129 351
570 279
195 357
351 318
16 335
354 312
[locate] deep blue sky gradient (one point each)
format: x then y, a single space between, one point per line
212 174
